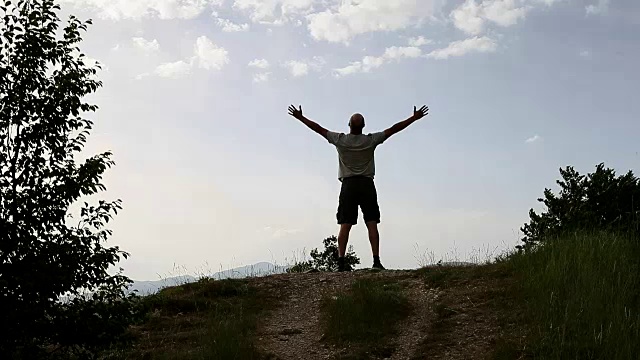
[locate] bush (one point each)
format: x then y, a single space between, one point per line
598 200
326 260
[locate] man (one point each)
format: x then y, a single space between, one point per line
356 172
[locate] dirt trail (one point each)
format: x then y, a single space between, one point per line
477 317
292 331
453 323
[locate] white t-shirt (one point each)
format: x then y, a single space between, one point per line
356 153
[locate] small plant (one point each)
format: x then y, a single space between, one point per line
326 260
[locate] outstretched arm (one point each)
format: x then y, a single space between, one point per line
297 113
417 115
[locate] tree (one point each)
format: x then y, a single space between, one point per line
328 259
47 251
599 200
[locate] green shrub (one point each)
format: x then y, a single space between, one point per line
326 260
599 200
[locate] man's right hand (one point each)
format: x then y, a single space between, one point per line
422 112
296 113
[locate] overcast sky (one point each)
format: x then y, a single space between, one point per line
214 174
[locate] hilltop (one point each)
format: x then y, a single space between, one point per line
450 312
557 301
149 287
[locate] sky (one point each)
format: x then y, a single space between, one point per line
214 174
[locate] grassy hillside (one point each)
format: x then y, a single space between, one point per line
581 295
208 319
576 297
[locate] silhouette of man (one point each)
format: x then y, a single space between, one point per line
356 173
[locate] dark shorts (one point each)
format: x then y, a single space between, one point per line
358 191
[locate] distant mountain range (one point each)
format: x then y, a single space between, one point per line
259 269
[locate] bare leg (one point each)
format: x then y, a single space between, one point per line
374 237
343 239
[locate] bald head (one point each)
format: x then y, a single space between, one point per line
356 123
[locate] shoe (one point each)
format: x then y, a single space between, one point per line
342 267
378 266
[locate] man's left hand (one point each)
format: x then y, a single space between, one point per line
296 113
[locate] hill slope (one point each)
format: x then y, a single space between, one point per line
575 297
451 313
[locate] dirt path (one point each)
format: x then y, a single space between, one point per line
455 322
293 331
413 332
476 317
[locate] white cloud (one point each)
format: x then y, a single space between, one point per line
354 17
467 18
273 11
462 47
395 52
369 63
92 62
172 70
116 47
549 2
302 67
280 233
599 8
297 68
419 41
229 26
137 9
585 53
471 17
259 63
261 77
277 232
147 46
209 55
504 12
533 139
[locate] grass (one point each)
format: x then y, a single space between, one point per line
208 319
443 277
582 297
365 316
